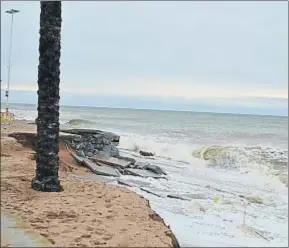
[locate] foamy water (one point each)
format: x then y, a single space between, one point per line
219 157
221 224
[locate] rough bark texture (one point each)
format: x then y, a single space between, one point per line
47 160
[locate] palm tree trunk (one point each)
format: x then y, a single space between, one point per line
47 160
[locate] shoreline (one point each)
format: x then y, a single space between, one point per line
85 213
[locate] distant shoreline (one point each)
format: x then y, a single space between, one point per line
156 110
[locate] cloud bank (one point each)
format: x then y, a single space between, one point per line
214 53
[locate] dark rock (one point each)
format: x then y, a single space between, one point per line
146 154
154 168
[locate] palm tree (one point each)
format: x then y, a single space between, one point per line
47 145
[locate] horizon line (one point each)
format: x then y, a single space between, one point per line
168 110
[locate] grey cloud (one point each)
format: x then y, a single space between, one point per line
237 43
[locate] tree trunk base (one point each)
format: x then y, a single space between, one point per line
47 184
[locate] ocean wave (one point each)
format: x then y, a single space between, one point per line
79 122
243 155
267 160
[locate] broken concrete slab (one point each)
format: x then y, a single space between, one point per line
125 183
179 197
115 162
132 183
101 169
143 173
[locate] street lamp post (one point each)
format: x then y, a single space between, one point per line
11 12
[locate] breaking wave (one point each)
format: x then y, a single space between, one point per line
79 122
267 160
277 158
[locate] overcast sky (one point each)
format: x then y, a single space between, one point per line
201 56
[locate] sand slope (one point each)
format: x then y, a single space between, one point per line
85 214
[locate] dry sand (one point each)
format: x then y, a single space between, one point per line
85 214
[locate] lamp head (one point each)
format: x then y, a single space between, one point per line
12 11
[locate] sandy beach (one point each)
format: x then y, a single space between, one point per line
85 214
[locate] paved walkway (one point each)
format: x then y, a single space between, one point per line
13 236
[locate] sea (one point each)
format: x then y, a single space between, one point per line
232 170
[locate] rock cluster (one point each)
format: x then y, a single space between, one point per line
97 151
90 144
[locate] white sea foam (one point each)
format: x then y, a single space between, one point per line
220 224
181 152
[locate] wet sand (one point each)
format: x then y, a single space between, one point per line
85 214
